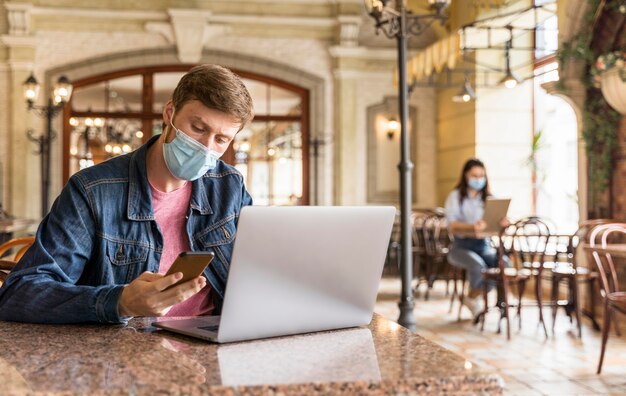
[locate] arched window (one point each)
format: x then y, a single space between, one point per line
115 113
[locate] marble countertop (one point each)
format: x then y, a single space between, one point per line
382 358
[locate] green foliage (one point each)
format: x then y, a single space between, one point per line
600 125
536 147
537 144
600 121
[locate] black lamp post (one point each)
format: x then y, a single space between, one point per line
395 21
59 96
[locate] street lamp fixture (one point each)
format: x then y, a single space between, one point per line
388 15
61 93
395 21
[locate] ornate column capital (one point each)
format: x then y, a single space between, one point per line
189 30
349 27
19 16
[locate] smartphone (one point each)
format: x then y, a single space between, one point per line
191 264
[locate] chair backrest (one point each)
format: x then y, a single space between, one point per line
11 252
530 241
561 249
20 245
418 223
586 226
504 244
435 236
583 234
601 238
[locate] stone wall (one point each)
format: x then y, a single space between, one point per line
325 46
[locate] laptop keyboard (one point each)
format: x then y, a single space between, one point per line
209 328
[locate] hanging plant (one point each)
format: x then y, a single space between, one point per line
606 62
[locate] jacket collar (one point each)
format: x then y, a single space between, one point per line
139 195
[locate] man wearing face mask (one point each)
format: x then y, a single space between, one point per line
101 253
465 207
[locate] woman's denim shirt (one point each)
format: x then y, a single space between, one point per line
101 234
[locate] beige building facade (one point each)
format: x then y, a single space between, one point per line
327 47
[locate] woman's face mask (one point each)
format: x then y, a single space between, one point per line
186 158
477 183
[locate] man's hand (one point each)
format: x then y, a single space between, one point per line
146 295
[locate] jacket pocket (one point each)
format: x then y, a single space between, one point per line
220 233
127 260
218 238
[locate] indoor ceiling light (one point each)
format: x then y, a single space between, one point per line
466 93
510 79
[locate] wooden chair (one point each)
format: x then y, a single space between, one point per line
567 270
392 259
505 277
18 246
531 238
457 274
601 242
436 244
394 249
420 260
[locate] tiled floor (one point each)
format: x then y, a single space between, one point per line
529 364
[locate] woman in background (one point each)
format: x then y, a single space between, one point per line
465 207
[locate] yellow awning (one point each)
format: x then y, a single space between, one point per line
443 53
483 33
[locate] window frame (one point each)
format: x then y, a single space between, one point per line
147 115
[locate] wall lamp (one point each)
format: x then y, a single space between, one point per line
393 127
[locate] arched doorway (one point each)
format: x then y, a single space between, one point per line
114 113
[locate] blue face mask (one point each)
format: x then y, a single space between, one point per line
186 158
477 183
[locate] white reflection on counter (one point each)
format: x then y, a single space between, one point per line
340 356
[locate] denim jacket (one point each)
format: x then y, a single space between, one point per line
101 234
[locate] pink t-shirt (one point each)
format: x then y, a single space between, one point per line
170 211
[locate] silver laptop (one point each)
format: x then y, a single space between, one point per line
297 270
495 210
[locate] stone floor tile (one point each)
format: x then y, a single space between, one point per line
561 364
518 388
601 386
562 388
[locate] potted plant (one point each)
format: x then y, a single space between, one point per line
609 74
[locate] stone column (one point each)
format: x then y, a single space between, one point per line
346 141
571 15
348 179
20 166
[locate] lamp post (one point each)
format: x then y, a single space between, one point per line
395 21
59 96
